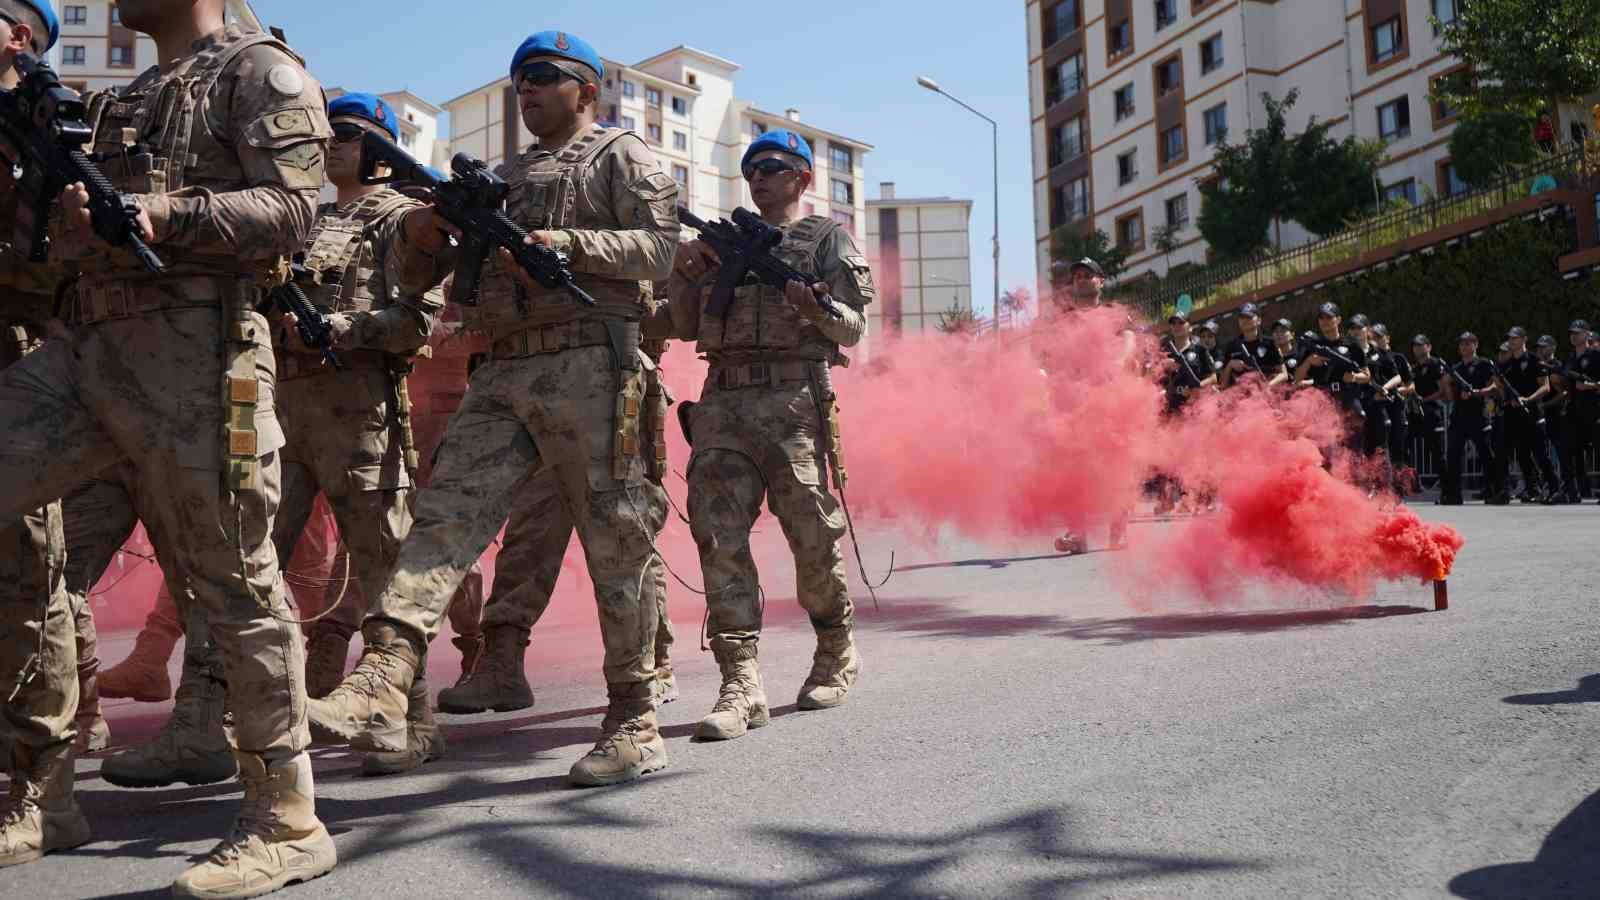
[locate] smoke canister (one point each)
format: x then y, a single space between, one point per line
1441 595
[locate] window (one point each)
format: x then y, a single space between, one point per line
680 141
1216 119
1119 38
121 56
1394 119
692 80
1066 141
1445 12
757 130
1178 211
1173 145
1166 13
652 96
1386 40
654 133
1169 76
1442 111
840 159
628 90
1069 202
116 16
75 15
1065 79
845 217
1402 190
1127 167
405 140
629 123
840 191
1450 183
1211 54
1130 232
74 55
680 174
680 106
1124 102
1060 20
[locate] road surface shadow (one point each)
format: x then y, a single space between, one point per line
1587 691
993 563
1187 625
1567 865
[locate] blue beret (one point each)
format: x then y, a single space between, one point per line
782 140
558 43
48 14
369 107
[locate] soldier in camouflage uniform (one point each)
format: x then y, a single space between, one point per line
766 427
562 389
222 150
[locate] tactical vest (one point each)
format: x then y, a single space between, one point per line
153 138
341 252
544 197
760 323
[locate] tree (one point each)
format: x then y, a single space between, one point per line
958 319
1522 54
1067 246
1165 239
1486 142
1273 175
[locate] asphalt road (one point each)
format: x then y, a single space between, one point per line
1017 732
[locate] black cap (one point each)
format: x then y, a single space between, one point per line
1517 331
1380 329
1356 321
1285 324
1177 317
1419 340
1250 310
1578 325
1505 348
1545 340
1087 263
1210 326
1308 335
1467 336
1328 309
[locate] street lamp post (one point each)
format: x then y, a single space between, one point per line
994 126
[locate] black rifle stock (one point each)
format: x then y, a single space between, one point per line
309 322
744 248
472 199
44 128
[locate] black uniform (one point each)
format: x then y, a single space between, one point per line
1375 403
1526 437
1344 357
1469 423
1190 367
1428 378
1259 356
1581 422
1390 364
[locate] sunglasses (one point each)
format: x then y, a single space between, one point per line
768 167
544 74
345 132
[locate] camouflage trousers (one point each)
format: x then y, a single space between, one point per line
343 440
554 412
150 389
752 444
529 562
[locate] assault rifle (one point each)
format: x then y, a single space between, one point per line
744 248
309 322
43 128
472 199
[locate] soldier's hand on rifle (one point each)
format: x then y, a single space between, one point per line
804 299
508 263
694 259
428 231
80 222
1236 365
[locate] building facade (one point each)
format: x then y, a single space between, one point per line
920 250
95 51
682 103
418 126
1129 99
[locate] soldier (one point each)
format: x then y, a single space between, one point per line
1289 350
1430 383
1525 382
1207 335
766 427
1335 363
1393 371
562 389
1472 386
1579 373
172 372
1250 352
1190 369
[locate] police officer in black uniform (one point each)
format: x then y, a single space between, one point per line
1192 370
1525 382
1429 392
1473 385
1250 353
1393 370
1553 410
1336 364
1207 335
1581 407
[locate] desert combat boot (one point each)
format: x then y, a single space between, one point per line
629 745
833 669
40 813
276 840
424 740
500 682
741 704
191 747
368 709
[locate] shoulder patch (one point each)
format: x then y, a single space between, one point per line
655 186
285 80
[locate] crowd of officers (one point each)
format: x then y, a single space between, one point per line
1527 404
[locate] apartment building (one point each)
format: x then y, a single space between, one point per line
920 250
1129 98
95 51
682 103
